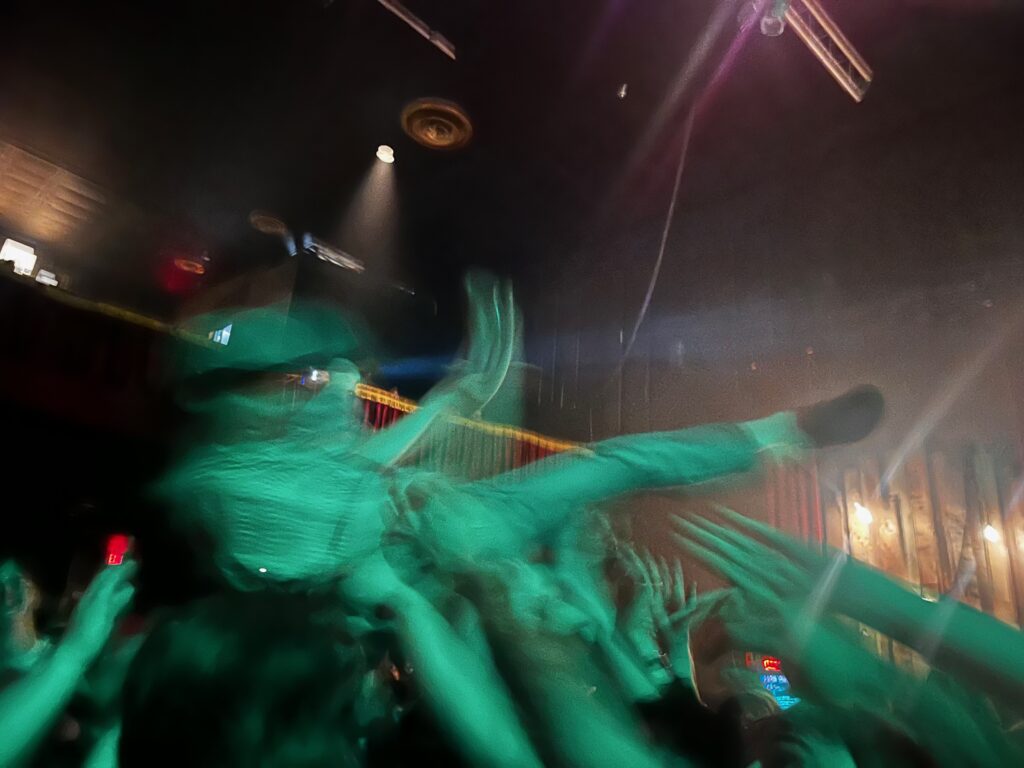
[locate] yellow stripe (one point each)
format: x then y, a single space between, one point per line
126 315
383 397
363 391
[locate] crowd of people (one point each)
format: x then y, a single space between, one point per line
374 613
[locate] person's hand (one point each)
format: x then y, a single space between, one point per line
663 587
493 322
104 602
766 573
684 608
770 601
641 618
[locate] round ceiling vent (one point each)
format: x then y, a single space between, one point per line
267 223
437 124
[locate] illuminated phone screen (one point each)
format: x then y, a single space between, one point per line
118 546
772 677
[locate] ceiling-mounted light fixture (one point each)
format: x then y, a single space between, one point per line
191 266
773 23
437 123
46 277
23 256
267 223
330 254
385 154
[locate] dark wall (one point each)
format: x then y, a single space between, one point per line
87 426
817 243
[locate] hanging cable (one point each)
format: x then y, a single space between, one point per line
665 230
691 116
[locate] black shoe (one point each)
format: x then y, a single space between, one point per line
845 419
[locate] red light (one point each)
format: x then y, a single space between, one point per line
748 659
771 664
117 547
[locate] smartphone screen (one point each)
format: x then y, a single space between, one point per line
119 546
772 678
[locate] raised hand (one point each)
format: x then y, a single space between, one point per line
30 706
948 634
493 320
661 586
104 602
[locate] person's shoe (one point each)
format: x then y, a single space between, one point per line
845 419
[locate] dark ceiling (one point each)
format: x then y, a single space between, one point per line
192 113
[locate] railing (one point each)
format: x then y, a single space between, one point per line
466 447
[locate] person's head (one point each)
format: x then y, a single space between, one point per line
276 355
721 678
242 680
19 600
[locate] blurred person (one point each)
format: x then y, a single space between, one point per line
241 680
23 644
289 489
951 636
31 704
785 601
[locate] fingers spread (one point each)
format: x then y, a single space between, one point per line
771 535
775 566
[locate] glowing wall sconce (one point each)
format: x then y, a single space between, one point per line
863 513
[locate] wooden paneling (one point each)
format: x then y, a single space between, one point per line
928 526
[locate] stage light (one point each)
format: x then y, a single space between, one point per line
385 154
773 23
23 256
772 27
991 534
863 513
330 254
262 570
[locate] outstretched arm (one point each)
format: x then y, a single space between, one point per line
586 722
461 687
29 707
948 634
493 321
780 612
